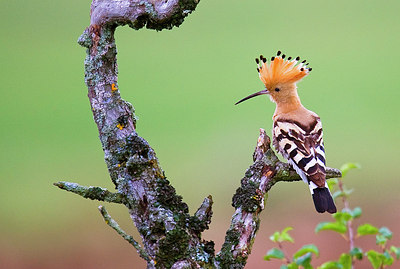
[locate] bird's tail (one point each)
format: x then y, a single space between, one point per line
323 200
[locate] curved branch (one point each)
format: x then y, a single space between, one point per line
171 237
249 202
168 232
154 14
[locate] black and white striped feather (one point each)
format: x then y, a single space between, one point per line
303 147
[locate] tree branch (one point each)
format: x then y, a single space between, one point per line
284 172
168 232
249 202
154 14
93 193
113 224
171 237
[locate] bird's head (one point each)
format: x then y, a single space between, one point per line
280 76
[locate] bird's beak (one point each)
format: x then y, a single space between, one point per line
265 91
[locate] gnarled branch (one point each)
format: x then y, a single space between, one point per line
249 202
171 237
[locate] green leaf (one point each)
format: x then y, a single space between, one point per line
342 217
274 254
337 194
388 259
381 240
344 193
304 261
339 226
274 237
285 235
331 265
356 212
357 252
384 235
345 261
386 232
396 251
293 265
287 229
333 226
283 266
282 236
375 258
306 249
366 229
347 167
331 183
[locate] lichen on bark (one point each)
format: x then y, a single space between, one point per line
171 237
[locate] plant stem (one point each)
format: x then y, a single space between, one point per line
350 222
288 261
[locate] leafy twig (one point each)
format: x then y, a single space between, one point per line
342 225
350 231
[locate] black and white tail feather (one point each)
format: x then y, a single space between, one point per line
303 147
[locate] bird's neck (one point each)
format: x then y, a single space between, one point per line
288 105
294 111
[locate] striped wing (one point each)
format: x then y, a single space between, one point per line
303 147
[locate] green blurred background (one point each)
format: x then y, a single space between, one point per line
183 84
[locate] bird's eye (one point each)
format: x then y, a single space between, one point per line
277 89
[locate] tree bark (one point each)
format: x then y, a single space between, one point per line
171 237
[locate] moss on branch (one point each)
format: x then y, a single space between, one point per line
202 218
113 224
171 237
93 193
248 201
285 172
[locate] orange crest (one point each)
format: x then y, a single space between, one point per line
281 70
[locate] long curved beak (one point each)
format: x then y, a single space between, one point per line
265 91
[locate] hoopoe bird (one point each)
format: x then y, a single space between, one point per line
297 131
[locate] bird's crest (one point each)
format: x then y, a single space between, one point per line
281 70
